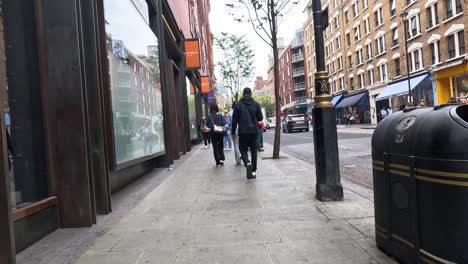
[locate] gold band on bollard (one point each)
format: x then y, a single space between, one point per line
321 74
323 101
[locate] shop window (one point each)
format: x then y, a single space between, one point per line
138 131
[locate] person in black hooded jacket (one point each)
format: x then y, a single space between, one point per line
247 114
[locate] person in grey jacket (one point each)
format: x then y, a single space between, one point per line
247 113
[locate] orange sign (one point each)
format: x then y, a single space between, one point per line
205 84
192 54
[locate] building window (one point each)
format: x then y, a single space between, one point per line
397 66
432 16
435 52
351 83
378 16
350 61
340 62
369 51
337 23
359 57
370 75
409 2
357 33
341 83
361 81
413 27
394 37
338 42
346 17
456 44
453 8
380 42
348 39
355 9
392 8
416 60
367 25
383 72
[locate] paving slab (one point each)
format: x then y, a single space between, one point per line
251 254
204 214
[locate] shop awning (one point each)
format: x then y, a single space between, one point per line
336 99
400 88
351 100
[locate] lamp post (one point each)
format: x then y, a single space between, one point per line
404 16
327 167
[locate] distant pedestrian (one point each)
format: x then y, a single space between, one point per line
261 126
228 135
216 124
402 107
383 113
389 111
247 114
206 133
422 104
235 140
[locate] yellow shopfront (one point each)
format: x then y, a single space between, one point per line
451 84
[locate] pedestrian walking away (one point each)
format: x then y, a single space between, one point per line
216 124
206 133
228 135
235 141
247 114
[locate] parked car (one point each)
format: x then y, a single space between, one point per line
271 123
295 122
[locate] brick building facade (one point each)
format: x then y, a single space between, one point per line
365 50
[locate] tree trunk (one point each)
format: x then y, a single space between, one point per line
274 40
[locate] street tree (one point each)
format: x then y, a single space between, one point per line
266 16
236 66
265 102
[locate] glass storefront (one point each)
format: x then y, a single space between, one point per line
192 111
134 70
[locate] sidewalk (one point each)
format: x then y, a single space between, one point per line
204 214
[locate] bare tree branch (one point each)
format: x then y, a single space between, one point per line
255 29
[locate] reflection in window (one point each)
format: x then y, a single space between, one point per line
135 81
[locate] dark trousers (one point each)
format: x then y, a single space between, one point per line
218 148
247 141
206 138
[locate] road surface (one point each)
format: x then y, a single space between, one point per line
354 148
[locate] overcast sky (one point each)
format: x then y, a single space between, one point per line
220 21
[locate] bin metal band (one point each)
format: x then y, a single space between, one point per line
431 258
401 173
426 260
447 182
443 173
378 168
378 162
398 166
402 240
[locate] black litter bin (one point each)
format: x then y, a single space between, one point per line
420 168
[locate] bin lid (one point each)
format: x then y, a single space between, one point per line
400 88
